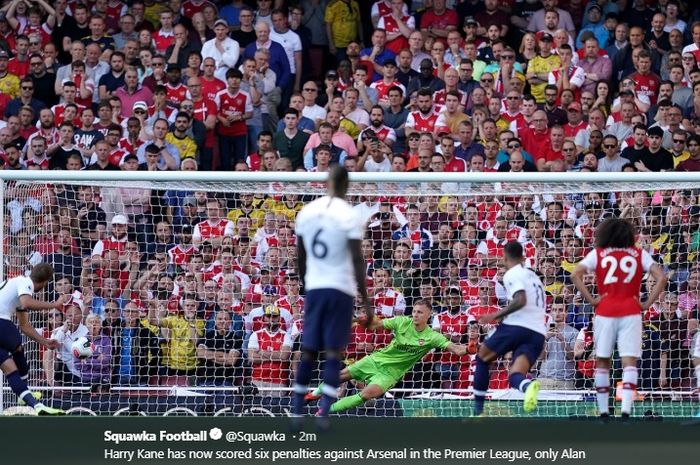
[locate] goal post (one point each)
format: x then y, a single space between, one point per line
206 320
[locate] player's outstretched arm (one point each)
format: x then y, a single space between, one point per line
30 303
519 300
661 279
577 278
457 349
373 325
26 327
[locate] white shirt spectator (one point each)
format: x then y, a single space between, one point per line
224 60
291 43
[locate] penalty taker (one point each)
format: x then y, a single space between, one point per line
381 370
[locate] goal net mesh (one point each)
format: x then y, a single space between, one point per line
172 282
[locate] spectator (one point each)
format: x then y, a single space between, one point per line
278 61
290 142
224 50
454 324
558 367
96 370
674 354
219 352
612 161
184 329
693 161
60 364
269 352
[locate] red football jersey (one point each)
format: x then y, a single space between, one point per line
202 110
647 85
383 88
211 88
439 97
240 102
391 25
270 371
18 68
470 292
162 40
190 8
208 230
420 122
176 94
180 255
449 324
618 275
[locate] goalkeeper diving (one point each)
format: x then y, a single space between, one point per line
381 370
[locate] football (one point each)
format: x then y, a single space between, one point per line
82 348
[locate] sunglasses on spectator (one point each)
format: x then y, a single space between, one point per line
678 141
610 146
513 146
487 80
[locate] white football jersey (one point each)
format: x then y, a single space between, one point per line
532 315
326 225
10 292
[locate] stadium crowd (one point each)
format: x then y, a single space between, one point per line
178 287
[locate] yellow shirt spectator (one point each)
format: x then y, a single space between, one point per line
182 349
288 209
9 84
677 159
540 65
256 217
185 145
343 17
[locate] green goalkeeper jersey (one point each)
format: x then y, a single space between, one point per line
407 347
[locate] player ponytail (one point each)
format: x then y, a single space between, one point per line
615 233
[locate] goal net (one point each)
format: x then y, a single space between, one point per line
185 284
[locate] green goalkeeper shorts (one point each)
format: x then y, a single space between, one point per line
368 371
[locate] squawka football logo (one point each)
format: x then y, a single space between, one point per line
421 342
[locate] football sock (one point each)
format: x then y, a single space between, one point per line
300 391
304 373
481 385
697 378
602 388
629 386
346 403
21 362
19 387
519 381
331 381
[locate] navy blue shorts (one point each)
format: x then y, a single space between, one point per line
516 339
327 320
10 339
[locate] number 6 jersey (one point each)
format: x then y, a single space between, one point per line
326 225
618 274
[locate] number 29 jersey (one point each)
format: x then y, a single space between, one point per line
326 226
618 274
532 315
